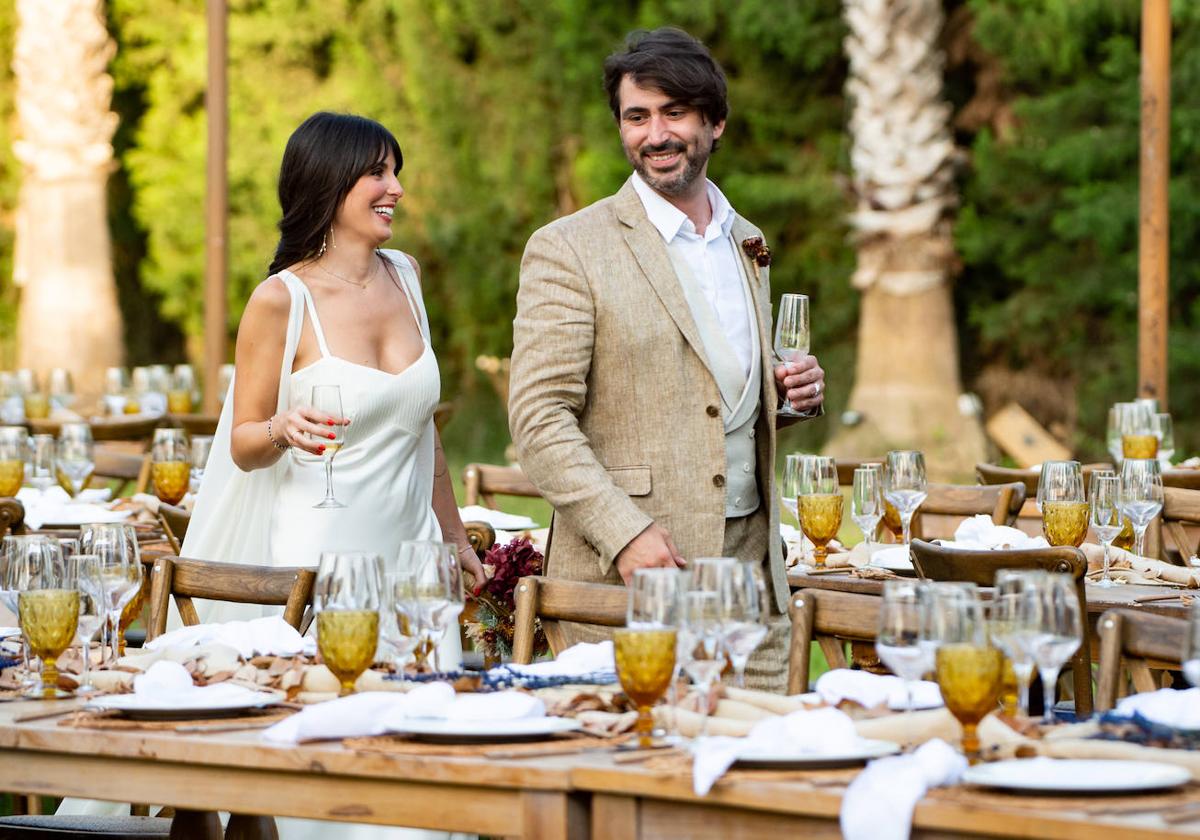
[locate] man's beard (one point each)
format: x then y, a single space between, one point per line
674 185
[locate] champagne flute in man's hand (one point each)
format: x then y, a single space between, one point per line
791 337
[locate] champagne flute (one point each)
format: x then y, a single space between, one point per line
866 501
1061 501
1164 427
439 591
820 504
328 398
75 457
86 569
904 632
48 612
171 465
41 462
1053 610
12 466
791 338
1141 497
346 596
1112 433
904 485
1011 629
969 670
1106 515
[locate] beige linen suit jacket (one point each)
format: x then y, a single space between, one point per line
613 409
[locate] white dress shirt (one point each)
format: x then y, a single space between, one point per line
711 257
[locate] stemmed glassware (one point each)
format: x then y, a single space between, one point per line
1012 627
22 556
12 465
75 459
904 632
820 504
969 670
120 568
86 570
1164 428
440 596
346 597
328 398
183 386
1061 501
1139 438
1141 497
399 614
41 461
171 465
700 639
789 485
904 485
866 501
48 611
1106 515
745 610
645 648
791 337
201 447
1051 613
62 389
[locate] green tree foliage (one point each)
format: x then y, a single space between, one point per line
9 184
1049 230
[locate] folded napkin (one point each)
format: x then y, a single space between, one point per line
53 506
377 712
879 803
497 519
1133 568
816 733
800 547
872 690
5 632
267 636
882 555
152 503
170 684
979 532
1167 706
581 660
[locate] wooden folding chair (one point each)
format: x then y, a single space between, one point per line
831 619
947 505
846 468
936 562
130 472
174 521
193 424
289 587
554 600
1136 642
993 474
12 516
1181 509
138 429
482 482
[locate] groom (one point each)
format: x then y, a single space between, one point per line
642 394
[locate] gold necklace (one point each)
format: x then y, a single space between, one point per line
362 287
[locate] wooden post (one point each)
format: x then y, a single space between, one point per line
1155 170
216 201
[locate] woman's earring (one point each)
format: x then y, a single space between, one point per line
332 241
321 253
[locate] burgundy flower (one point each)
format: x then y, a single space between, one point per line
509 564
757 250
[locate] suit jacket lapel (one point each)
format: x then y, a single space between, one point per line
650 251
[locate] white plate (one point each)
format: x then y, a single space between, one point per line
893 559
866 750
475 731
150 708
1076 776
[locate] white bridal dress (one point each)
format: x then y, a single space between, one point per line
383 474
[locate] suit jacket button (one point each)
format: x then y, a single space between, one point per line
713 411
719 480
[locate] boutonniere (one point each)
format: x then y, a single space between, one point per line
758 252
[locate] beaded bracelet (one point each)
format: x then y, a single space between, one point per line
282 447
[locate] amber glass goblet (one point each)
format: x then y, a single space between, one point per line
969 671
645 664
347 597
820 504
48 612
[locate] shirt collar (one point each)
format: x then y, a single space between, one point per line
669 220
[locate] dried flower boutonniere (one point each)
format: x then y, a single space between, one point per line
758 252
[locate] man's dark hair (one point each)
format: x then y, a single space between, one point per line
670 60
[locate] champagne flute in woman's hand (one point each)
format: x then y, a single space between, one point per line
328 398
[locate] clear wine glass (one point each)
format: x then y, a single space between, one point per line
1106 515
1011 627
1139 437
745 611
328 398
120 569
400 616
1141 497
789 486
700 634
866 501
201 448
41 462
791 337
439 590
62 389
904 633
75 457
86 570
1052 610
904 485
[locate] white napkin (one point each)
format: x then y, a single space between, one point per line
55 507
267 636
871 690
5 632
170 684
376 712
819 732
1167 706
497 519
579 660
980 532
879 803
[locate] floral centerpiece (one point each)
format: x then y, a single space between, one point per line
490 624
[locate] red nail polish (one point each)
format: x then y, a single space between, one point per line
321 449
328 422
332 436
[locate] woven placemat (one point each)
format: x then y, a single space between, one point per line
564 744
106 720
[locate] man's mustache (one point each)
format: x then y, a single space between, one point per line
669 146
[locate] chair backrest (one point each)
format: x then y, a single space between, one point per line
830 618
1180 509
12 516
174 521
482 482
1138 642
936 562
129 470
138 429
993 474
1182 479
846 468
289 587
946 505
195 424
553 600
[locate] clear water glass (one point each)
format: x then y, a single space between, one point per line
903 638
905 486
866 501
1105 498
1141 496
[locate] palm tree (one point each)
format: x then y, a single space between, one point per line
68 315
907 387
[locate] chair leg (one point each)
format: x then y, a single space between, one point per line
139 810
195 825
251 827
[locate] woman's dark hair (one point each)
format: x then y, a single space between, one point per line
670 60
323 160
